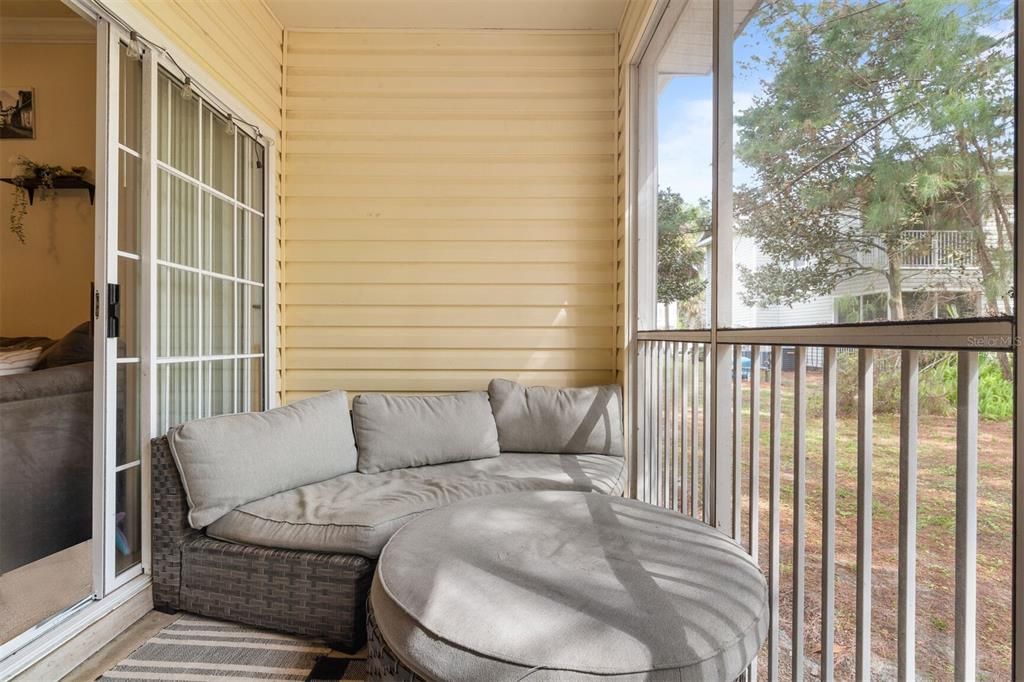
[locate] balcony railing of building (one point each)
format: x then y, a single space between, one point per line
930 250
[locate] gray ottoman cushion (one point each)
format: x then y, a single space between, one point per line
358 513
394 431
566 420
568 585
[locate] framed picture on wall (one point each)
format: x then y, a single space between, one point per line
17 113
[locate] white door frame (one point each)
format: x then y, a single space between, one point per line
111 591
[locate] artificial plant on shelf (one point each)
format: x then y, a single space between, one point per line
26 170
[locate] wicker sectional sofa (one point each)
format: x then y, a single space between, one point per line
246 529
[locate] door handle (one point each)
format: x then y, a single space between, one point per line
113 311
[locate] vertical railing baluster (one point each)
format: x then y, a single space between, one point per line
754 493
907 608
683 417
828 515
775 510
865 430
799 494
659 420
706 497
663 415
693 429
670 487
966 514
648 419
641 417
737 442
652 418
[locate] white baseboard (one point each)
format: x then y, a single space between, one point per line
55 654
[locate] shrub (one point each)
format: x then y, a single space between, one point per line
995 393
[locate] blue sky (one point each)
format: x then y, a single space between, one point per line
685 121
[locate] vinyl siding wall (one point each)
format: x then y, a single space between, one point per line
634 21
241 45
450 211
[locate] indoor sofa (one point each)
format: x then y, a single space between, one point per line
276 519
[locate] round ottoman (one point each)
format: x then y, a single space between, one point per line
563 586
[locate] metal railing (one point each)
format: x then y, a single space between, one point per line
676 463
929 249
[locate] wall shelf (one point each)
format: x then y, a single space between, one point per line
62 182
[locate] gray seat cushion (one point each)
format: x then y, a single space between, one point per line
358 513
233 459
565 420
568 586
399 431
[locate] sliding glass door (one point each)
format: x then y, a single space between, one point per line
181 306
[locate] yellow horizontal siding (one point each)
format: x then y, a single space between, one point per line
450 209
241 45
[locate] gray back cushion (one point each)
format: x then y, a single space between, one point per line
395 432
560 420
234 459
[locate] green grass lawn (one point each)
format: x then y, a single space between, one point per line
935 536
935 544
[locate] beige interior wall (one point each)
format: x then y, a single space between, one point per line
449 209
45 283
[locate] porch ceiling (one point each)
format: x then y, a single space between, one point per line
689 50
450 14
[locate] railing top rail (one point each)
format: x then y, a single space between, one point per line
974 334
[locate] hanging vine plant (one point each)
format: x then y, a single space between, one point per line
40 176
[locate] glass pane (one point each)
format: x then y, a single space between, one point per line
684 148
219 313
177 225
256 398
220 387
128 519
257 319
250 246
177 127
129 208
131 319
130 93
218 152
874 159
177 312
250 319
218 235
178 391
255 239
127 418
250 172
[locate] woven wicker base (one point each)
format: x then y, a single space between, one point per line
304 593
381 663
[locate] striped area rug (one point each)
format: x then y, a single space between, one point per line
195 649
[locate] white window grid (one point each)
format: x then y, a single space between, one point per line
240 400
